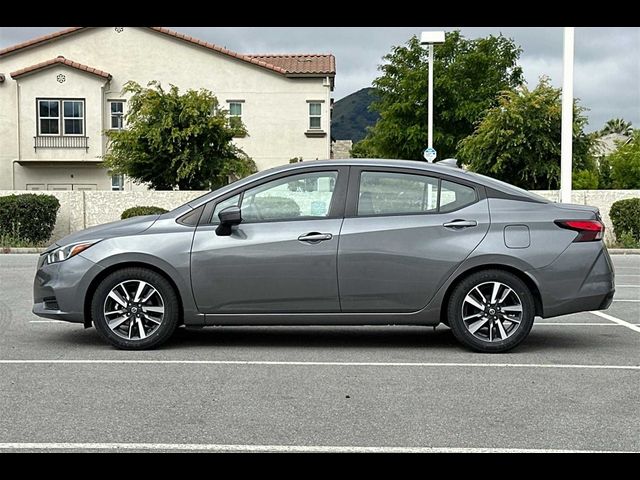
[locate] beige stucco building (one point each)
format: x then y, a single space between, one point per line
60 92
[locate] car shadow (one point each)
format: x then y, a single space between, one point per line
383 337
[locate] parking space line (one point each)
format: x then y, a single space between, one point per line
627 286
48 321
279 448
630 326
625 300
578 324
317 363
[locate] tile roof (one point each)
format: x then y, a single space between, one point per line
63 61
303 64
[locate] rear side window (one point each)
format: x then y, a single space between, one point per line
454 196
388 193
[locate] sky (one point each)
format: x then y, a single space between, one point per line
606 72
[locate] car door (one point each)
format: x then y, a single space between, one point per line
282 257
405 232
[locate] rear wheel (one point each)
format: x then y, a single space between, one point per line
491 311
135 309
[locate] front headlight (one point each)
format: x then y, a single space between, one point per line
63 253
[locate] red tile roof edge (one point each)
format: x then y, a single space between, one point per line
63 61
166 31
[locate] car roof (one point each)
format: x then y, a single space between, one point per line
375 162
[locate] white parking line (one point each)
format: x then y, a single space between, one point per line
631 326
578 324
278 448
48 321
316 364
627 286
619 300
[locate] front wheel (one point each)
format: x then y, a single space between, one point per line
491 311
135 309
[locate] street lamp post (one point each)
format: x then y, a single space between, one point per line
429 39
566 136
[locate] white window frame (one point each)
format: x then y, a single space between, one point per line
120 187
112 115
312 115
40 134
63 118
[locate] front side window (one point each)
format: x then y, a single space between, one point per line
73 117
388 193
116 111
60 117
315 116
229 202
303 196
49 117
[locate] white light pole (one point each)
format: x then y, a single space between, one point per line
566 139
429 39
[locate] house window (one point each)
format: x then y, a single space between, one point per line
116 111
60 117
49 117
73 111
315 116
235 114
117 183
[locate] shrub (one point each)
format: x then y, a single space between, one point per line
29 217
625 216
139 211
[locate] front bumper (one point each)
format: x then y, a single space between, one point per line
59 289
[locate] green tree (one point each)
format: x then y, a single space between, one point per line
625 164
468 75
617 125
518 141
176 140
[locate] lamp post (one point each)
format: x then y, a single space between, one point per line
566 136
429 39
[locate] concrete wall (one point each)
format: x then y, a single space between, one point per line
79 210
275 109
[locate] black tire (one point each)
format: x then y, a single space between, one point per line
455 311
171 309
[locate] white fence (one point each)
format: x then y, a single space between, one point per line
83 209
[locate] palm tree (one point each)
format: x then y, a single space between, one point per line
617 125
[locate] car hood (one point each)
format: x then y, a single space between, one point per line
130 226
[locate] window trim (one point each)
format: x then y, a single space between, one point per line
336 209
310 128
61 117
122 186
351 208
83 118
109 102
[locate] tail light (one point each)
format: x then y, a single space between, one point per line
588 230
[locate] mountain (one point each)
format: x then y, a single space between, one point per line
351 116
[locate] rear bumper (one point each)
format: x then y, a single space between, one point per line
580 279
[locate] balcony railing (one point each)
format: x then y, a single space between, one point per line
58 141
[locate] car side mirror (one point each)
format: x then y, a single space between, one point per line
228 217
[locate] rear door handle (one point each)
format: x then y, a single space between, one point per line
460 224
315 237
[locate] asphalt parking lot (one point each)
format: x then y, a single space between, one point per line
573 385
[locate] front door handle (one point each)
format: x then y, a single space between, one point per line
460 224
315 237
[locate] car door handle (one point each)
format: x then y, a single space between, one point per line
460 224
315 237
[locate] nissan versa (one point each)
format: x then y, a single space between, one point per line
341 242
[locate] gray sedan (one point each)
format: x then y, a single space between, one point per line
342 242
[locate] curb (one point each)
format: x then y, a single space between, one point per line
624 251
16 250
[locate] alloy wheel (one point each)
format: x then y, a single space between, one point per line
134 309
492 311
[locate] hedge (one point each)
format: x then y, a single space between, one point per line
625 216
28 217
139 211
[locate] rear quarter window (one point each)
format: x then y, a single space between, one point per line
454 196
